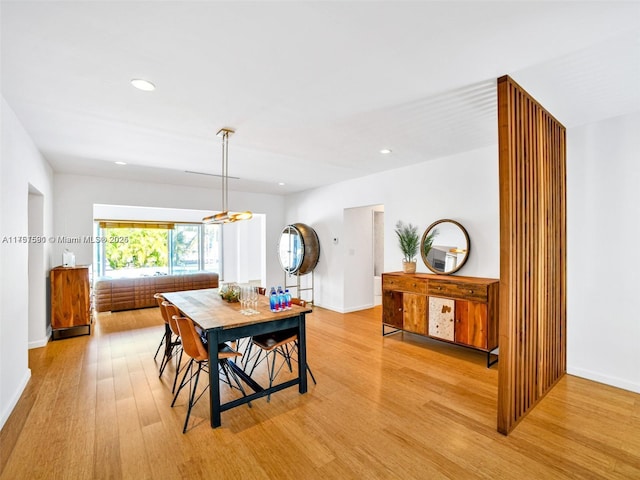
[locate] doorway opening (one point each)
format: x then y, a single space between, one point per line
364 257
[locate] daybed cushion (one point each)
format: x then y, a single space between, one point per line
114 294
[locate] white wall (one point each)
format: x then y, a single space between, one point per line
38 263
603 259
419 194
21 166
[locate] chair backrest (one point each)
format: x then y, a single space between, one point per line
191 341
160 299
171 311
261 290
299 301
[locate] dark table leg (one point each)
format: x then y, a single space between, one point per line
302 353
214 383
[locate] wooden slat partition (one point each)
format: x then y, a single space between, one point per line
532 253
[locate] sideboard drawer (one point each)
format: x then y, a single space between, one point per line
406 284
468 291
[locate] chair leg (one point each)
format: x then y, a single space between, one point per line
163 364
159 347
225 368
287 356
168 354
256 362
178 370
183 381
189 376
166 357
192 396
246 354
228 372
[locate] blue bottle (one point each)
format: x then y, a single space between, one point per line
281 300
287 297
274 303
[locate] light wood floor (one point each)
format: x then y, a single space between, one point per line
394 407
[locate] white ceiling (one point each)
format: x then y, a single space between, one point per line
313 89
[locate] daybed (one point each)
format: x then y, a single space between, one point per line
113 294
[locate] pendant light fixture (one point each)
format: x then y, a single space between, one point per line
225 216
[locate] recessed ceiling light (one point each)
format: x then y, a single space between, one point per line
141 84
384 151
120 163
282 184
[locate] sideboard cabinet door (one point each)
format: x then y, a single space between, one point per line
415 313
392 308
441 316
471 324
70 298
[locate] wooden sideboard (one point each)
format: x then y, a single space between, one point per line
459 310
70 299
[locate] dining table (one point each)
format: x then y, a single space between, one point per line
222 321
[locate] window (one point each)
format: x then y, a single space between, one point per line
184 248
144 250
135 251
212 248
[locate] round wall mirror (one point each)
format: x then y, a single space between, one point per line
445 246
298 249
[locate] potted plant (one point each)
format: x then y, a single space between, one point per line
409 242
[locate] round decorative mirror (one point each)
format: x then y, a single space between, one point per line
445 246
298 249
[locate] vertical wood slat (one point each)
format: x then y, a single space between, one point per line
532 342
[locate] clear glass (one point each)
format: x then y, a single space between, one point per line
254 297
243 300
247 297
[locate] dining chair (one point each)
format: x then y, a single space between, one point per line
171 311
283 343
198 352
302 303
174 346
159 299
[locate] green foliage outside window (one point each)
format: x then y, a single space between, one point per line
145 248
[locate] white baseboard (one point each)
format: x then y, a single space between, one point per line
41 342
38 343
333 308
358 308
606 379
14 398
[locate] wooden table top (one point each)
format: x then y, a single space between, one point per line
207 309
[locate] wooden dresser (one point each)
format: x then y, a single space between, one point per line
460 310
70 300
